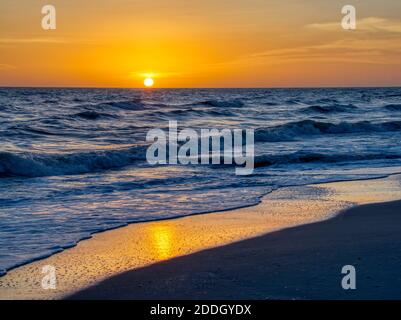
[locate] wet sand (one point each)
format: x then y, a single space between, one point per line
297 263
141 259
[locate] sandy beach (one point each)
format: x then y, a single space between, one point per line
297 263
170 258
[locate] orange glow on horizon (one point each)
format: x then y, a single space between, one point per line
199 44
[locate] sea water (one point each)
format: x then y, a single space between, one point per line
73 161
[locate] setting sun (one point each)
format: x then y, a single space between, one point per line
148 82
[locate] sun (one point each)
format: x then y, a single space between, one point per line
148 82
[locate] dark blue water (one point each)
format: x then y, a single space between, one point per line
72 161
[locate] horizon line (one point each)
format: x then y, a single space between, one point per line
199 88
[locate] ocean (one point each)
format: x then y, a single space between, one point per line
72 161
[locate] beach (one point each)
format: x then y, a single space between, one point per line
200 150
77 162
292 245
297 263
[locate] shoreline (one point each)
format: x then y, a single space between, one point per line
260 200
97 260
278 266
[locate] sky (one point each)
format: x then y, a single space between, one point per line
200 43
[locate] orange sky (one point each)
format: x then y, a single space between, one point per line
194 43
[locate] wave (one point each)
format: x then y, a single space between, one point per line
135 104
293 102
221 103
138 104
393 95
29 164
37 131
292 130
393 107
329 108
215 112
93 115
310 157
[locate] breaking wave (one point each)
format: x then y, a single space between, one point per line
38 165
293 130
309 157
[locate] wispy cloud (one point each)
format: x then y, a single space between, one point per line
6 66
378 43
32 40
369 51
356 50
369 24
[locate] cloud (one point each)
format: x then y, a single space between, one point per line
379 51
368 51
32 40
6 66
369 24
379 42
